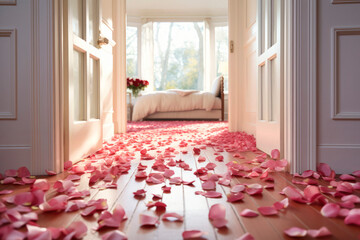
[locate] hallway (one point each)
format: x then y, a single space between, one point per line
199 163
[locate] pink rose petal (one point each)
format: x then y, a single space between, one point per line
275 154
40 184
295 232
324 169
330 210
37 233
347 177
114 235
208 185
23 172
267 211
248 213
246 236
234 197
353 217
50 173
212 194
67 165
147 220
192 234
77 229
11 173
172 217
6 191
201 159
356 173
8 180
322 232
140 193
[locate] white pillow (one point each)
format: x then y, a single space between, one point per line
215 88
183 93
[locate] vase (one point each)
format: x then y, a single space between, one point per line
136 92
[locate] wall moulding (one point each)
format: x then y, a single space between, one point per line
8 107
345 1
7 2
336 112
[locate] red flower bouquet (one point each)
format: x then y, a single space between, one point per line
136 85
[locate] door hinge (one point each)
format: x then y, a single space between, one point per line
231 46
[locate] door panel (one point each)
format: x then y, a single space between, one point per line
338 111
268 126
85 123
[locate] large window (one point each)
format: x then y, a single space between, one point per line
178 55
183 55
221 53
132 69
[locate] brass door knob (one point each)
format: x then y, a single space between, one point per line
103 41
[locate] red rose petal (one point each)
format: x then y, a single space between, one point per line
324 169
201 159
347 177
356 173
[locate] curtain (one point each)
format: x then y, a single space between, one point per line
208 58
147 53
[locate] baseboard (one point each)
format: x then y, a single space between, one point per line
13 157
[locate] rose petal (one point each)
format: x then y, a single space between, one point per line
347 177
210 166
295 232
67 165
208 185
246 236
353 217
201 159
40 184
6 191
172 217
324 169
147 220
212 194
37 233
217 211
191 234
77 229
330 210
267 211
322 232
275 154
248 213
11 173
50 173
114 235
23 172
234 197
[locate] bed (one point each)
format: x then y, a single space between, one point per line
175 104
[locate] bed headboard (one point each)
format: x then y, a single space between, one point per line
222 96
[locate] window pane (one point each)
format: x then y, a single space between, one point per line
221 53
93 21
178 55
94 88
131 51
77 17
79 86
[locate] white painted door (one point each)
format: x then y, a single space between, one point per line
270 75
84 58
338 85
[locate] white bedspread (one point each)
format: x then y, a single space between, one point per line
167 101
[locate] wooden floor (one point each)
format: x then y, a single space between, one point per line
182 199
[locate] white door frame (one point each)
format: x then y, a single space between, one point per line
300 82
299 79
